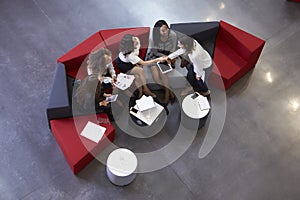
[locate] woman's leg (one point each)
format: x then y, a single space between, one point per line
198 85
191 79
156 74
142 78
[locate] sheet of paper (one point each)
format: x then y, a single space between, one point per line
145 103
203 103
93 131
124 81
148 116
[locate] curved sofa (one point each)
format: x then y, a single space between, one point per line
233 50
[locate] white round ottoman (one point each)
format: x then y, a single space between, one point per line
120 166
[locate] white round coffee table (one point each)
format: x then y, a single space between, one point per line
120 166
192 111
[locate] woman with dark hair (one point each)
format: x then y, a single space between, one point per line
129 61
199 59
162 43
89 96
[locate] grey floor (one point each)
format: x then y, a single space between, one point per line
256 157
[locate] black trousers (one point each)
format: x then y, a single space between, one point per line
198 85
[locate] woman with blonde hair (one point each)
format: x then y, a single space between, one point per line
100 63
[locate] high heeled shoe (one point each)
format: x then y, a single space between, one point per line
205 93
149 93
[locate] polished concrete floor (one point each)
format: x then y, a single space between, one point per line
256 157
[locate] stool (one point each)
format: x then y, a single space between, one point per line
192 114
120 166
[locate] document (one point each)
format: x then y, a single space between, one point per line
147 116
124 81
145 103
93 132
203 103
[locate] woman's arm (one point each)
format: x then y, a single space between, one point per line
176 53
142 62
112 71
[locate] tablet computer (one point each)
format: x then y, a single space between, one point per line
112 98
164 67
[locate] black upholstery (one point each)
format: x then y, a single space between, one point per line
59 102
204 32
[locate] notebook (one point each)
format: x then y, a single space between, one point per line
203 103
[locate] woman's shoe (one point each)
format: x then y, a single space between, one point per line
149 93
172 97
205 93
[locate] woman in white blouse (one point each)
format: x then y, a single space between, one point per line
199 59
129 61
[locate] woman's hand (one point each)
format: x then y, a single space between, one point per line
162 59
103 103
114 79
106 95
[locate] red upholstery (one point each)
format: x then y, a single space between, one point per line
236 52
295 1
113 37
78 150
76 56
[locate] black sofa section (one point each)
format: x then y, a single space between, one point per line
204 32
59 105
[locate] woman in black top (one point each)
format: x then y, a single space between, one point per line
90 98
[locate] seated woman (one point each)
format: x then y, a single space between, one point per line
100 63
162 43
89 97
129 61
199 59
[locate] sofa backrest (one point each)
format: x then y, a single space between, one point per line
59 105
75 59
204 32
240 41
113 37
77 56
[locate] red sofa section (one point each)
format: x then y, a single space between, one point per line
76 57
78 150
236 52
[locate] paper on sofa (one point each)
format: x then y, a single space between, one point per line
93 132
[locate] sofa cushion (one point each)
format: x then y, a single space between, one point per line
59 101
228 63
78 150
